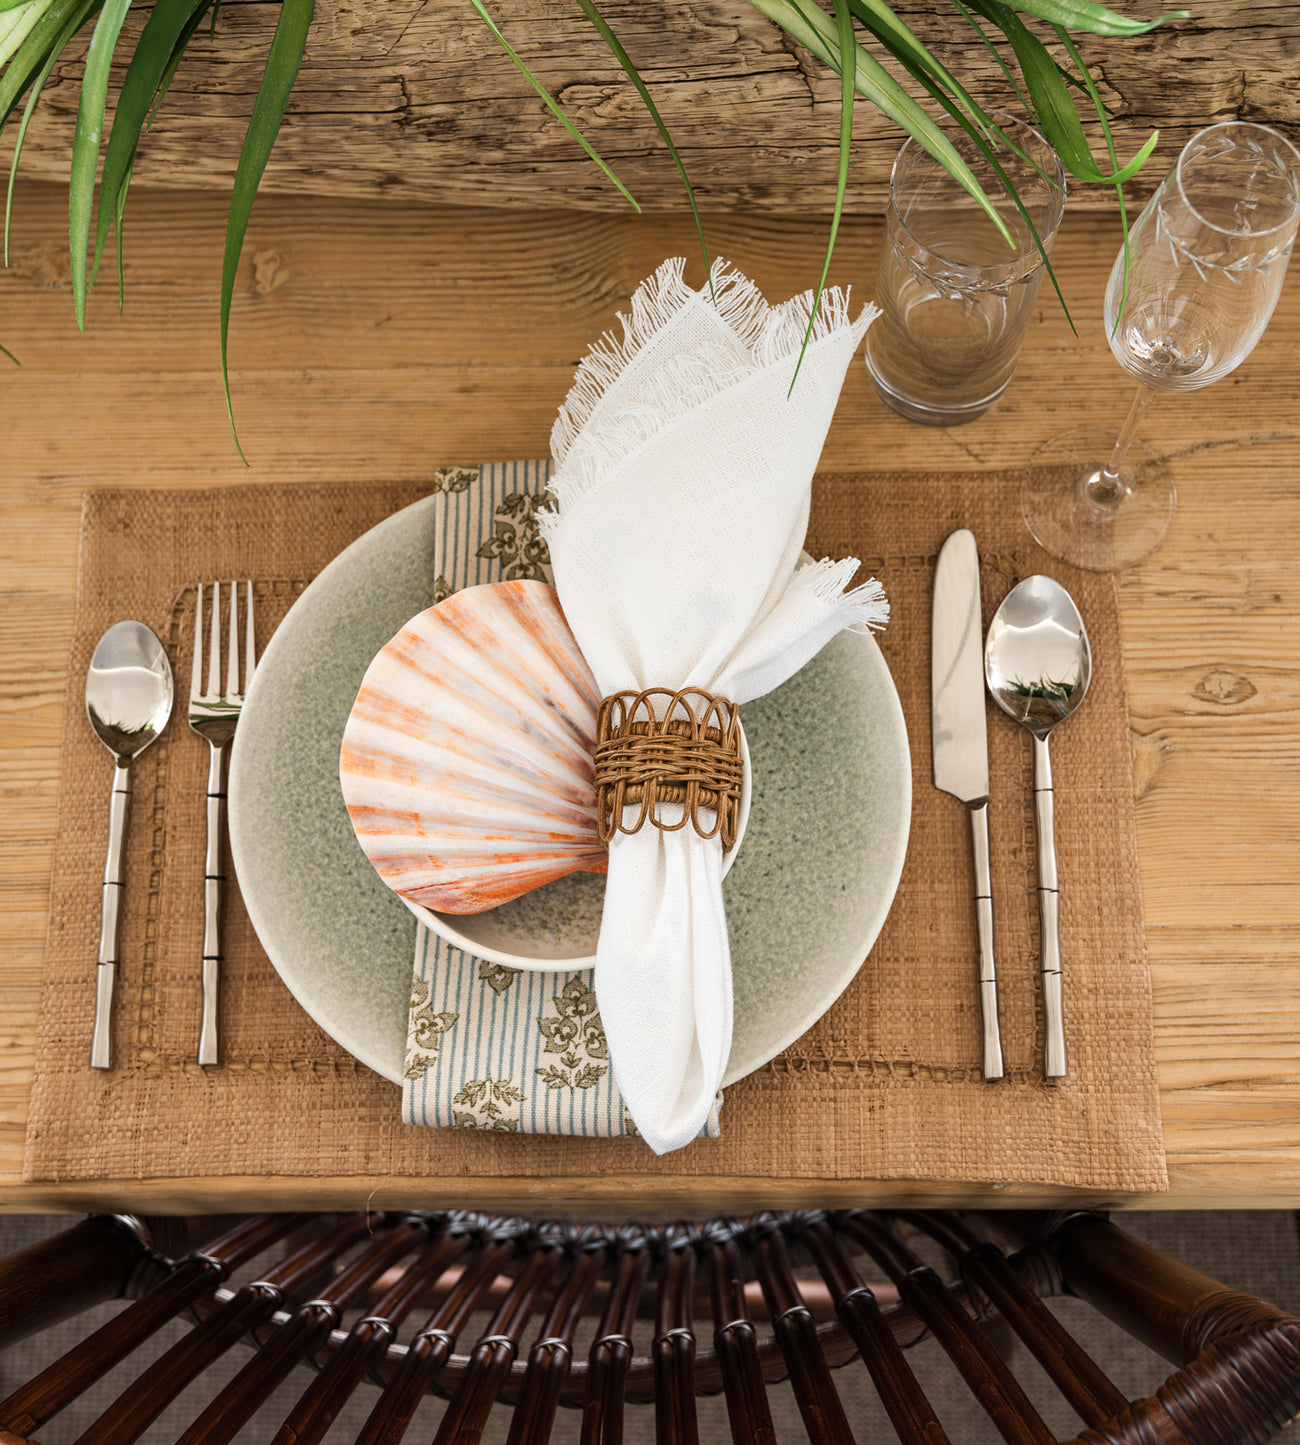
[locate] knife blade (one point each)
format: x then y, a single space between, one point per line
959 743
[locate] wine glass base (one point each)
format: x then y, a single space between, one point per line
1068 519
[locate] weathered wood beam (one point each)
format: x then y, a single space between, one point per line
414 99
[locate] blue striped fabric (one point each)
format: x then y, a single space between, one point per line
488 1047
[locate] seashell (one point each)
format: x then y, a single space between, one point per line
466 763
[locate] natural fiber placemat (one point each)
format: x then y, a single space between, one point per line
887 1085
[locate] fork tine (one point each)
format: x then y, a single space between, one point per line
196 672
214 643
232 662
250 656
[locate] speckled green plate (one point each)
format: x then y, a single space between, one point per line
805 900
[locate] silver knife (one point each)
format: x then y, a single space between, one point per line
959 742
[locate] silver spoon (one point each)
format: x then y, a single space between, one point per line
129 695
1038 664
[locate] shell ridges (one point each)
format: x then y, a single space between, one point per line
466 763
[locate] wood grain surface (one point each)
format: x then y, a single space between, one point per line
370 341
415 100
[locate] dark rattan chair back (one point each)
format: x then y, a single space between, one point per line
531 1319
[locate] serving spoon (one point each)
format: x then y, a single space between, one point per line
1038 664
129 694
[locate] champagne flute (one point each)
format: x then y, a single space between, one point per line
1204 266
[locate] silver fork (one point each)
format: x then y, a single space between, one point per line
214 714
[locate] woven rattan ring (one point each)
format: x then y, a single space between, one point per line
684 749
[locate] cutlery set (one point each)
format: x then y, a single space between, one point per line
1036 664
129 696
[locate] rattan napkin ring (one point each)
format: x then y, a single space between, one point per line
685 750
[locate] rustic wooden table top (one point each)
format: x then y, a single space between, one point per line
370 341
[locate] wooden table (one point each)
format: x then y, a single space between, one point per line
370 342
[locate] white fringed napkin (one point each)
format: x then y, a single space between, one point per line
683 470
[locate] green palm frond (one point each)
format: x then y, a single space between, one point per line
1110 149
149 63
625 60
1045 88
73 23
550 102
1095 19
282 63
845 38
33 36
85 144
1051 101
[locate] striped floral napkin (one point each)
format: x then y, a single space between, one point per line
490 1047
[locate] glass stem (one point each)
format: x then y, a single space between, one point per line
1106 486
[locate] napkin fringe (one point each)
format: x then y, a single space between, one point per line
825 582
765 335
654 301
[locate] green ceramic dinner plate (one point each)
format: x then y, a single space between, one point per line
805 900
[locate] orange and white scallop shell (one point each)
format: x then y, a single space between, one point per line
466 763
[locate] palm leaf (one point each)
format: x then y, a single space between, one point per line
1051 99
85 144
16 25
620 54
904 44
992 49
846 41
1072 51
75 21
1070 80
282 63
153 53
551 103
1095 19
173 64
924 67
810 25
26 61
118 213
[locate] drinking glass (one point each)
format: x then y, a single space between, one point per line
954 297
1204 266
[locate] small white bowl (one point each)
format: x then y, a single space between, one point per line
554 928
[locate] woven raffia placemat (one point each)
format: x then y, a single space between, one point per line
886 1085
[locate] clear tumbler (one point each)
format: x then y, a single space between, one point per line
955 298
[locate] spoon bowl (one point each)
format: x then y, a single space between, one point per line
1037 661
129 689
1038 665
129 695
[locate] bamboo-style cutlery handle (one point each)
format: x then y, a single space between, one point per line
214 885
1048 912
979 824
101 1044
